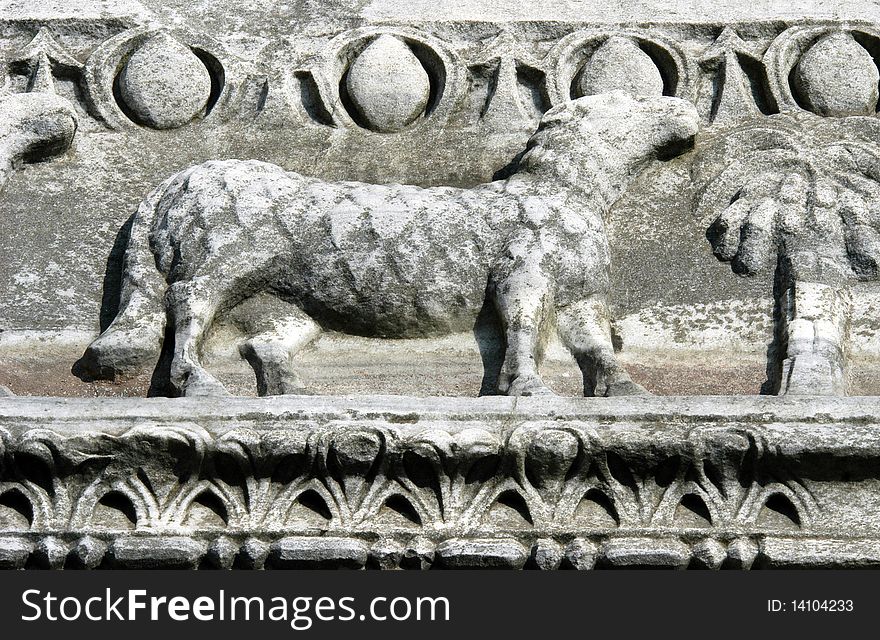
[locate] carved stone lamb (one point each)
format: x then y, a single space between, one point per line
394 260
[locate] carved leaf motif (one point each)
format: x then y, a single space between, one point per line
40 55
805 194
472 444
388 86
549 457
167 456
734 88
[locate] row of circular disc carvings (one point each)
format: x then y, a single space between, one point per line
392 79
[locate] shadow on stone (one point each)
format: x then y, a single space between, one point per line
490 341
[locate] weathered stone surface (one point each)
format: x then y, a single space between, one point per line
317 553
276 80
50 553
89 552
580 554
481 554
33 126
690 482
147 552
387 554
790 553
791 194
634 553
402 198
547 554
709 554
741 553
222 553
253 554
419 554
392 261
14 552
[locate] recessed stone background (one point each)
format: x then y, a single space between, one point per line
684 323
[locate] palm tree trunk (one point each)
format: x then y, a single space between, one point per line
815 328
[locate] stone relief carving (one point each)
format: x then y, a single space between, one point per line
153 78
382 79
41 58
387 85
394 261
33 126
795 191
37 124
785 175
735 86
640 63
827 69
515 84
399 493
342 84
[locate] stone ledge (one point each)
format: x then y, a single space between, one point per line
29 551
448 482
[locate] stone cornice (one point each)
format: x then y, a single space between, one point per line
631 481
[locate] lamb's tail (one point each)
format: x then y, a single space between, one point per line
134 338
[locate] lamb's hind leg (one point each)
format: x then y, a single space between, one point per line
271 350
522 301
193 305
585 328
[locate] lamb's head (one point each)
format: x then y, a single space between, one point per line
604 140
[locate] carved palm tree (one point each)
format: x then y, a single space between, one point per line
799 192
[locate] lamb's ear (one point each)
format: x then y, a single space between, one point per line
560 114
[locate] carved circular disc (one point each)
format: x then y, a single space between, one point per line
837 77
388 85
164 84
620 64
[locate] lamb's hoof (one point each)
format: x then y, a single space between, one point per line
528 386
203 386
291 387
205 391
105 360
626 388
116 355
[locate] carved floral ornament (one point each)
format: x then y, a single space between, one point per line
364 481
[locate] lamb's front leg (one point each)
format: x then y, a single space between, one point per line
585 328
522 300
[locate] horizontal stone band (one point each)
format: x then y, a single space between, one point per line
413 482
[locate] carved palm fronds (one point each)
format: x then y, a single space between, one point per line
800 193
798 187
